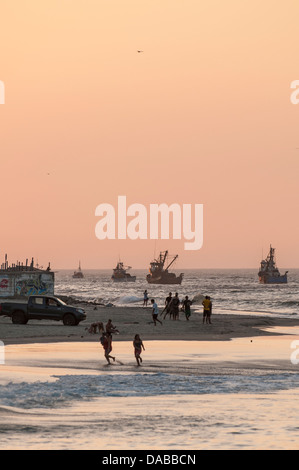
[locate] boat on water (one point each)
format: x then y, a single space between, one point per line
78 274
158 274
120 273
269 273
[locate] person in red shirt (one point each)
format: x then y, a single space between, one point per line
106 341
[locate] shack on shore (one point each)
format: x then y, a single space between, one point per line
22 280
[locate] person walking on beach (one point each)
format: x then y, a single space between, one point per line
187 307
106 341
110 328
174 307
145 298
138 346
207 309
167 308
155 312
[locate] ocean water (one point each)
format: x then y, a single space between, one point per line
66 389
231 290
187 395
192 422
224 395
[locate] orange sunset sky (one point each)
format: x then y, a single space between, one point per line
202 115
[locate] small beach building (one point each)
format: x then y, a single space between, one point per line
20 280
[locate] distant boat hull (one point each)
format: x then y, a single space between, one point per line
124 279
274 280
78 275
169 279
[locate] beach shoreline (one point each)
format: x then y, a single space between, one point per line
133 320
206 382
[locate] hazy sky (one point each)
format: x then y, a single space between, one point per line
202 115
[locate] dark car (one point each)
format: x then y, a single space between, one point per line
41 307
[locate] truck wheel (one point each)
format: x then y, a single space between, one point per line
19 318
69 320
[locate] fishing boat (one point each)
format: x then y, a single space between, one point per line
78 274
269 273
120 273
160 275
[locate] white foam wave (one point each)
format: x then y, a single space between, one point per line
68 389
128 299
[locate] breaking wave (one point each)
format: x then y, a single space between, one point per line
128 299
67 389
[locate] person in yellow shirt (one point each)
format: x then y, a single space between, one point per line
207 309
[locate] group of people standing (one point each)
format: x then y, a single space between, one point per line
173 306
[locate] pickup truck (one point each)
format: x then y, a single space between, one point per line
41 307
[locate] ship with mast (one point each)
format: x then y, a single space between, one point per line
158 274
269 273
120 273
78 274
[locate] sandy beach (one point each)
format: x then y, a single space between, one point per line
199 387
132 320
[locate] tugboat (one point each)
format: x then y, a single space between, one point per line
78 274
160 275
120 273
269 273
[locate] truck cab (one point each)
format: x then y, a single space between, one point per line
40 307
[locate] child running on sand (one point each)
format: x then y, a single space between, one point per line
138 346
106 341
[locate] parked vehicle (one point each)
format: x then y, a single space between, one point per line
41 307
